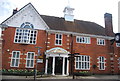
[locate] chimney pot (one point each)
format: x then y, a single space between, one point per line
15 11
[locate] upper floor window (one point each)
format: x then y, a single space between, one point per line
25 36
58 39
82 62
101 63
15 59
80 39
27 25
30 60
117 44
100 41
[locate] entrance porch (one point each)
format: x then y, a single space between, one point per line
57 62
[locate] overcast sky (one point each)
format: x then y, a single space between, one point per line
87 10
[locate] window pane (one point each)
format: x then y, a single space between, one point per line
78 39
32 56
16 62
76 58
13 62
14 54
60 42
28 55
76 64
56 35
85 65
28 63
82 58
60 36
17 55
56 41
31 63
79 65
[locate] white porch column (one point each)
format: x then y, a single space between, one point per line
46 65
67 67
53 66
63 68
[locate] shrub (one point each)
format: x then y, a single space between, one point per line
82 73
20 72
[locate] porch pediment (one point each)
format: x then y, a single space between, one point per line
57 50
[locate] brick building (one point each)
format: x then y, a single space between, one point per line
0 52
26 29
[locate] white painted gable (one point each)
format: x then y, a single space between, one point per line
27 14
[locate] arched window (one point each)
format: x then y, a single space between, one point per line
27 25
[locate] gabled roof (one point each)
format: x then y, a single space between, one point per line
28 13
78 26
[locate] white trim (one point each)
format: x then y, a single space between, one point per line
25 35
30 59
103 40
101 62
28 6
81 34
65 51
15 58
58 39
87 40
82 68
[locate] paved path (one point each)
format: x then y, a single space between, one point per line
114 77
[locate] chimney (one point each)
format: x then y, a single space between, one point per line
15 11
108 24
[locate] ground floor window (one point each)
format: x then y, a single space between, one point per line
15 59
82 62
119 62
101 63
30 60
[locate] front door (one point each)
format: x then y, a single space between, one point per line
58 65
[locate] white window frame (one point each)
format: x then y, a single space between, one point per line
84 40
15 58
100 41
58 39
119 62
30 59
102 63
25 36
117 44
82 60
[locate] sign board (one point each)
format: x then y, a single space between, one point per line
117 37
39 60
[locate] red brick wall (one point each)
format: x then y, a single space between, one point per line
0 53
8 43
47 41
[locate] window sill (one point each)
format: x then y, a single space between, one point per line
24 43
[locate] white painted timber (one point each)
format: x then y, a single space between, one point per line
27 14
